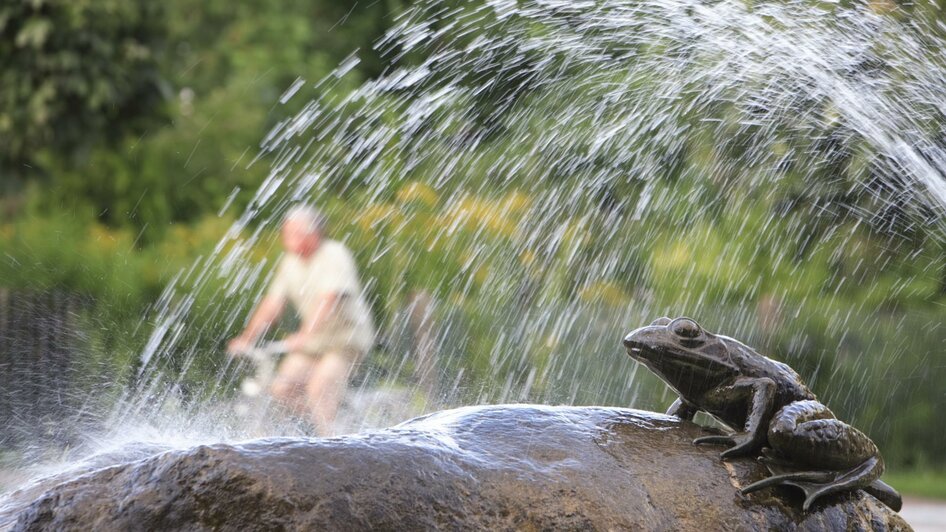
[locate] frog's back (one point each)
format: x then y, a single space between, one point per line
788 384
790 387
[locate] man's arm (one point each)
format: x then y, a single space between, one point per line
324 306
268 311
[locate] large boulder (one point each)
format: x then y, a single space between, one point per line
489 467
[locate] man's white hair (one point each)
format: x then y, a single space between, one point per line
308 215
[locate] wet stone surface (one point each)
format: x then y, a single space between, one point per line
489 467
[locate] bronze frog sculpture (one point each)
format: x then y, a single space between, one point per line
767 405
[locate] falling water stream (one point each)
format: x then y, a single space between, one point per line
536 178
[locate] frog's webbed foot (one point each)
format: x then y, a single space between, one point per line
817 484
741 444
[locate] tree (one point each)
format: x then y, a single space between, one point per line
74 73
229 64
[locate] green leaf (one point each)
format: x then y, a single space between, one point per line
34 33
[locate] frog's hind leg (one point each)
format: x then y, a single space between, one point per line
817 484
792 479
885 493
809 438
856 478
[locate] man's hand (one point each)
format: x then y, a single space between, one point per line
265 314
239 345
296 342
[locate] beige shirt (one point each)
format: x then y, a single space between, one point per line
330 270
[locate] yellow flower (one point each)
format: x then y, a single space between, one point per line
377 214
604 292
481 274
516 201
497 217
416 191
674 257
105 239
527 258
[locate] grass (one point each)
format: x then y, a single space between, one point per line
930 484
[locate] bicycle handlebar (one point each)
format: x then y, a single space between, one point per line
265 351
264 358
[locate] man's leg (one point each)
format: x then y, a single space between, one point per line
325 389
291 377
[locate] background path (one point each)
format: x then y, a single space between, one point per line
925 515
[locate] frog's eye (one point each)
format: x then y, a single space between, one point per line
685 328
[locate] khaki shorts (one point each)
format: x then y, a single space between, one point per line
352 354
354 342
296 369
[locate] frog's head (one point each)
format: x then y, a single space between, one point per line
683 355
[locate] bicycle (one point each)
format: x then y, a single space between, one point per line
361 407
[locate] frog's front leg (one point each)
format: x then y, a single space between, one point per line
760 392
682 410
822 455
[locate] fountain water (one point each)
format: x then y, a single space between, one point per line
551 173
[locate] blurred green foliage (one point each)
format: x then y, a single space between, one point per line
74 74
926 483
181 90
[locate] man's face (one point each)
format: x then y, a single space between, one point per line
298 239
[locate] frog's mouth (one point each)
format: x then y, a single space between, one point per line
658 349
679 360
